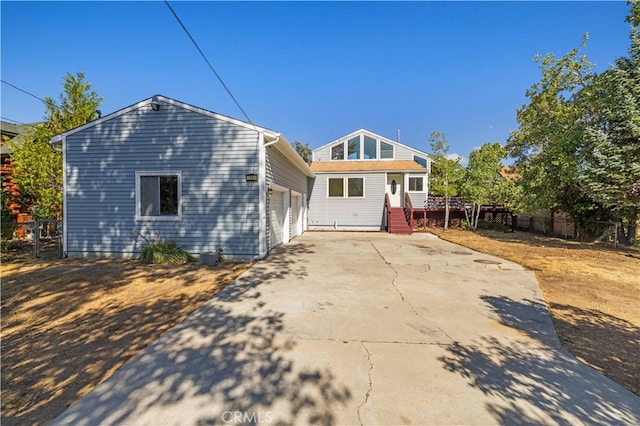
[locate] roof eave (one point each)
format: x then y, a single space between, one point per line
285 147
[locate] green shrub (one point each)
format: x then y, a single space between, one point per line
493 226
163 251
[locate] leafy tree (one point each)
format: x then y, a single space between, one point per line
481 179
577 146
37 167
303 150
446 173
547 140
609 155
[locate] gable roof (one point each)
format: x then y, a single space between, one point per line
367 166
271 137
374 135
160 98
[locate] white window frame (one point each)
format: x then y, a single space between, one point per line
145 173
345 186
426 165
328 186
393 149
423 178
377 142
344 151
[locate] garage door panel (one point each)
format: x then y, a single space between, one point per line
276 218
296 202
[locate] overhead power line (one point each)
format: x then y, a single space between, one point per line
207 61
11 119
24 91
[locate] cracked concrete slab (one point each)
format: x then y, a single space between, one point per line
363 328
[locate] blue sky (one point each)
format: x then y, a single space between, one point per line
313 71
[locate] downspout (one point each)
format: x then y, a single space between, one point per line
62 142
262 179
262 198
276 140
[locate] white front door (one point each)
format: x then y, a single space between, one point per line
395 190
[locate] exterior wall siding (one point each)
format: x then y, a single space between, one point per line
280 171
419 199
348 213
219 208
322 154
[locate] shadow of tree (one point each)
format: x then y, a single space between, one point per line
529 316
534 382
225 358
582 332
63 331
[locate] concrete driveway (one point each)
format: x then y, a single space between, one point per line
363 328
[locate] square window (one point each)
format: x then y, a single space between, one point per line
337 152
386 150
158 195
355 187
336 187
416 184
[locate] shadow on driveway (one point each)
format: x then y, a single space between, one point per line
554 386
222 365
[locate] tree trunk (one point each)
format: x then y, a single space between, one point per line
626 233
477 217
446 212
469 218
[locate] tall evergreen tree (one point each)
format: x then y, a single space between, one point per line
609 155
37 166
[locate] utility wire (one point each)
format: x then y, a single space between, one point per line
10 119
207 61
23 91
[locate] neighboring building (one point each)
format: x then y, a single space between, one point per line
9 131
165 169
367 182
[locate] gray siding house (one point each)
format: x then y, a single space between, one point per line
361 178
165 169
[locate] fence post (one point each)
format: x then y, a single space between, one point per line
36 239
615 235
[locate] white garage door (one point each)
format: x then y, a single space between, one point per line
276 218
296 214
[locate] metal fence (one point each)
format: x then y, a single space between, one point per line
41 238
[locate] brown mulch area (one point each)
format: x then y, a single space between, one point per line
67 325
592 292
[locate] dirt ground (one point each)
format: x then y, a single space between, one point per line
593 294
67 325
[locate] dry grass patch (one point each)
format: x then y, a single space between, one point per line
593 294
67 325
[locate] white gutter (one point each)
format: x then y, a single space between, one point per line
56 140
275 141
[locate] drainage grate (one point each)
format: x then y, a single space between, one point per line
487 261
461 252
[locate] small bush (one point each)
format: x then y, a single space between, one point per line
163 251
493 226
